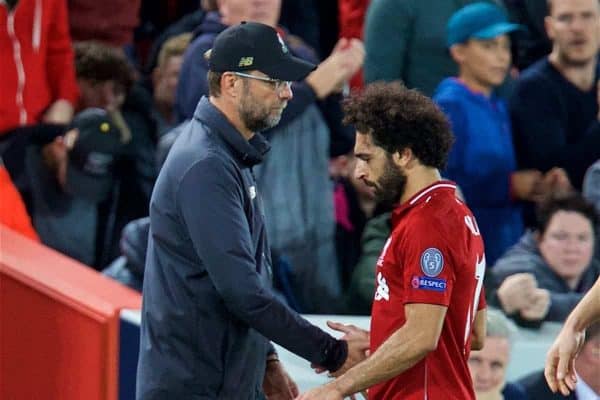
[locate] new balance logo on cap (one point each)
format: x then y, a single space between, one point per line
246 62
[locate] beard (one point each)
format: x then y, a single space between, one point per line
390 187
254 115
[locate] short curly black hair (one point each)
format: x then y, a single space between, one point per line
398 118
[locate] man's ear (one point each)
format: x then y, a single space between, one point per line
549 27
402 158
457 52
230 84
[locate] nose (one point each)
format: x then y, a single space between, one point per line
483 373
285 92
360 170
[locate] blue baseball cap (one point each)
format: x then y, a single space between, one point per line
478 21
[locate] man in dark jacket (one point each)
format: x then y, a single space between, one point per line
208 311
299 208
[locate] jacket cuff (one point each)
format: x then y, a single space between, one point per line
335 355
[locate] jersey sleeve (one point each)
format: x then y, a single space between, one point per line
428 270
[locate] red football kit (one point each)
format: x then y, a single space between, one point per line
435 255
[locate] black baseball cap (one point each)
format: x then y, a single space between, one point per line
255 46
94 156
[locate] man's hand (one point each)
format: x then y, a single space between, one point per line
557 181
560 360
516 292
326 392
59 112
277 384
525 184
358 345
344 61
537 309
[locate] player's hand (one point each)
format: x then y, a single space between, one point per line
351 332
560 360
326 392
537 309
516 292
277 384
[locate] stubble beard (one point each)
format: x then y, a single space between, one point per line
254 115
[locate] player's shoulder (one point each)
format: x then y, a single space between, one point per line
440 210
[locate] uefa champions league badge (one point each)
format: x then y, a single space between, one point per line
432 262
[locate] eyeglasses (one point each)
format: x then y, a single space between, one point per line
277 84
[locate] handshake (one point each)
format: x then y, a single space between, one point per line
358 347
278 385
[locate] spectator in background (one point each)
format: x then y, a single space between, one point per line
299 197
128 268
531 43
591 185
38 78
482 160
591 192
107 81
544 276
186 24
406 40
164 80
554 107
69 178
488 365
354 205
586 365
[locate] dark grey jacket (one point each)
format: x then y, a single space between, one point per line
208 311
525 257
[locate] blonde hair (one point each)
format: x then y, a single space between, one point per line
173 47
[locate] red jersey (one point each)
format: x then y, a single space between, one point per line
435 255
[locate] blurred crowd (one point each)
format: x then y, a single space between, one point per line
95 93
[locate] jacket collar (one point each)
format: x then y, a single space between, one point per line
249 152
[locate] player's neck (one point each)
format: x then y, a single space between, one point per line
418 179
